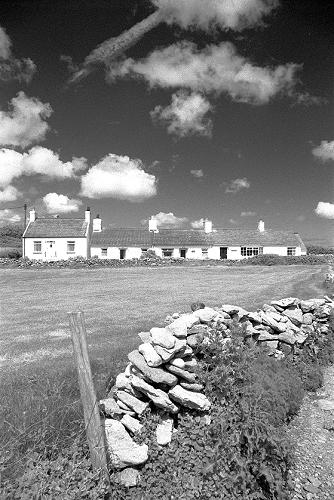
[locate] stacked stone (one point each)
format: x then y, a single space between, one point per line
160 373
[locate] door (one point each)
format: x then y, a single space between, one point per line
122 253
50 250
183 253
223 252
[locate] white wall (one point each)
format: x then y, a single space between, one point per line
114 253
60 248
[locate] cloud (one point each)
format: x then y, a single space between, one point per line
225 14
11 68
37 160
325 151
8 216
118 177
25 122
197 224
167 220
248 214
237 185
216 69
59 203
197 173
325 210
10 193
186 115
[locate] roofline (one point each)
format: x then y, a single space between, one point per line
24 232
52 236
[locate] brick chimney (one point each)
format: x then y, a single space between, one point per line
32 215
97 224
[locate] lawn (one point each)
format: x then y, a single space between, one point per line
39 391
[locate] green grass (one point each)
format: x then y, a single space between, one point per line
39 391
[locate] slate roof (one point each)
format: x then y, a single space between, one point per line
131 237
56 228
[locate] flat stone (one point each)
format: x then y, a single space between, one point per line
188 376
132 424
110 407
144 336
151 356
295 315
190 319
134 403
268 308
179 328
272 345
189 399
307 319
266 336
164 431
227 308
287 302
156 375
162 337
124 406
326 404
254 317
186 353
268 320
128 477
179 362
307 305
300 337
323 311
194 340
287 337
159 397
167 354
192 387
205 315
190 365
198 329
127 371
122 382
122 449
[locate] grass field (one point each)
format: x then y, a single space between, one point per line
38 389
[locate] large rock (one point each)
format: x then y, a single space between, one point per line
254 317
266 336
134 403
145 336
151 356
164 431
168 354
198 329
188 376
287 337
190 365
156 375
162 337
195 340
179 362
287 302
159 397
300 337
205 315
192 387
179 327
128 477
323 311
132 424
122 382
307 319
190 399
111 408
123 451
230 310
267 319
294 314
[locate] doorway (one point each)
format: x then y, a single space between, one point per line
183 253
50 250
122 253
223 252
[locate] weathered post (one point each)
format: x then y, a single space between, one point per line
94 430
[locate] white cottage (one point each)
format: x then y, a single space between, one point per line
53 238
206 243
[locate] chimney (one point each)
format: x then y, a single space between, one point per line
97 224
260 226
87 215
153 225
32 215
207 226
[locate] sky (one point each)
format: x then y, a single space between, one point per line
218 109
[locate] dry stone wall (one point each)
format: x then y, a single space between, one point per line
161 373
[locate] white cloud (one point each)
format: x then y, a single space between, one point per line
197 224
25 123
8 216
167 219
11 68
10 193
216 69
59 203
325 210
186 115
197 173
118 177
233 14
37 160
237 185
248 214
325 151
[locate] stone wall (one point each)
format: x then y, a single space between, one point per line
161 373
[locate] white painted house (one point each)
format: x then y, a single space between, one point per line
206 243
53 238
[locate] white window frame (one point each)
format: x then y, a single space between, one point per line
251 251
39 243
291 251
104 252
70 244
169 251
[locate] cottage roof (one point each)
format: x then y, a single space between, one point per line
56 228
132 237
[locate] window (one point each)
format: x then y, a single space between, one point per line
183 252
104 252
291 251
251 251
144 249
167 252
37 247
70 246
205 253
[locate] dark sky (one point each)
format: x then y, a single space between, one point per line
249 160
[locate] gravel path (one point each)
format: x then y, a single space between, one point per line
312 434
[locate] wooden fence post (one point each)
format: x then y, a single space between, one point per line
94 430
